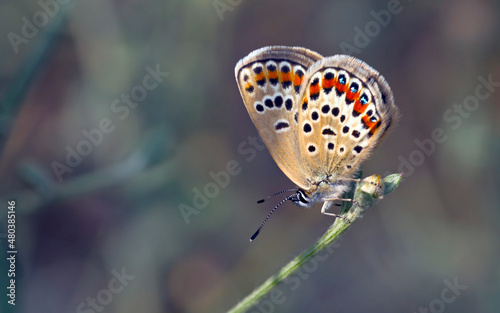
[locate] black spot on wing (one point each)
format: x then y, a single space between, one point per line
269 103
278 101
281 125
328 131
304 105
335 111
286 84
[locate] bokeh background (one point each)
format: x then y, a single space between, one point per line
118 208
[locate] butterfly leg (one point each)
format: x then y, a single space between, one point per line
338 199
352 179
324 208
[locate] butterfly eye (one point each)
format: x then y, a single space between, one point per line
354 87
364 99
342 79
373 119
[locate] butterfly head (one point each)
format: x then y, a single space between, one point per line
302 199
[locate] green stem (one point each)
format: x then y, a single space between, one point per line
366 194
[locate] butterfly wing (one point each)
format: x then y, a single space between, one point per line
270 80
346 107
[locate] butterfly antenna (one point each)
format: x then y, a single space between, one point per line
269 215
275 194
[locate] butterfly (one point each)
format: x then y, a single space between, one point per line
319 117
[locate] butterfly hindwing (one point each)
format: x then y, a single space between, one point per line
270 81
346 108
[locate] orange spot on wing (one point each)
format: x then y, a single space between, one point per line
286 77
368 123
314 89
339 86
273 75
371 125
328 83
352 96
260 76
358 107
297 80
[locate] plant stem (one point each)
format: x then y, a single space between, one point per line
366 194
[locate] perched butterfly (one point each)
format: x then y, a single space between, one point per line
319 117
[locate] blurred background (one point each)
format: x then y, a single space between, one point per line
119 120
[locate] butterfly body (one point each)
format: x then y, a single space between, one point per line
320 118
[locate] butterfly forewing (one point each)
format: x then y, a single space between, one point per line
270 80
